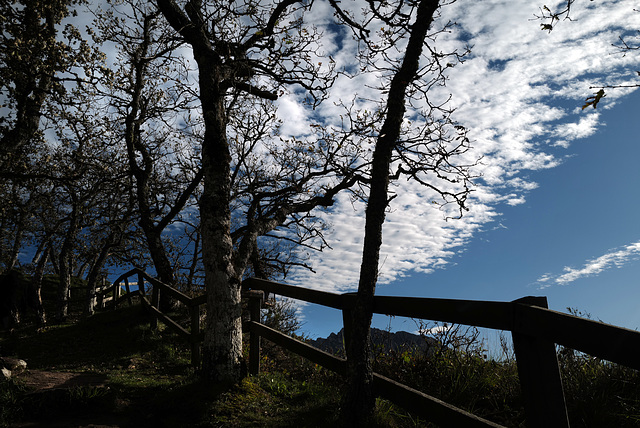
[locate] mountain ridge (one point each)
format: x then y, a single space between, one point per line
400 340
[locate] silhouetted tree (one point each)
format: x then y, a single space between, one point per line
247 52
430 151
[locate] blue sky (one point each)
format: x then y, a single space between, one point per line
583 209
555 212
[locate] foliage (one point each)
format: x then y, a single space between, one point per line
10 407
598 392
455 369
280 314
149 381
594 99
279 400
39 54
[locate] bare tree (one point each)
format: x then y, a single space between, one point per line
431 150
249 51
148 100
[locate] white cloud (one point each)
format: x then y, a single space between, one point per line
518 94
294 119
614 259
585 127
435 331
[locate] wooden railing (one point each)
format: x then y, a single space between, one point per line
535 330
150 298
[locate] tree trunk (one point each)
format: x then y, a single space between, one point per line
194 264
17 242
161 263
54 257
64 285
37 282
359 398
42 247
92 279
65 260
222 348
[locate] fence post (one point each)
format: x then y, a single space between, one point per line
141 284
100 293
126 286
195 332
90 297
256 298
155 302
538 371
347 319
116 295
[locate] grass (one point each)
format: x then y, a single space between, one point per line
597 393
150 383
149 380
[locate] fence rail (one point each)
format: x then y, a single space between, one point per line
535 330
150 299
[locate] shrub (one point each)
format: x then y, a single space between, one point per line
455 369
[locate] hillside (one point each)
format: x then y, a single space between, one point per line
112 370
397 341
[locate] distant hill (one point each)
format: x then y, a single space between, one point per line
399 340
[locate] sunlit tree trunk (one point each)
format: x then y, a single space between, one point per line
235 75
65 261
94 272
37 280
222 349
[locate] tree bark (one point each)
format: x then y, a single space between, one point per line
65 260
359 398
222 349
37 281
92 278
17 242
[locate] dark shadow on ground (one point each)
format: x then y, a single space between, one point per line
103 338
118 373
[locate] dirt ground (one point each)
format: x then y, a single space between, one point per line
39 380
45 382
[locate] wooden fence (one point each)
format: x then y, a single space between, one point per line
150 298
535 330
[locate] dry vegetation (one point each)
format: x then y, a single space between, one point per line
136 377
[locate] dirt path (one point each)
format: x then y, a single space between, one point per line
40 380
42 383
